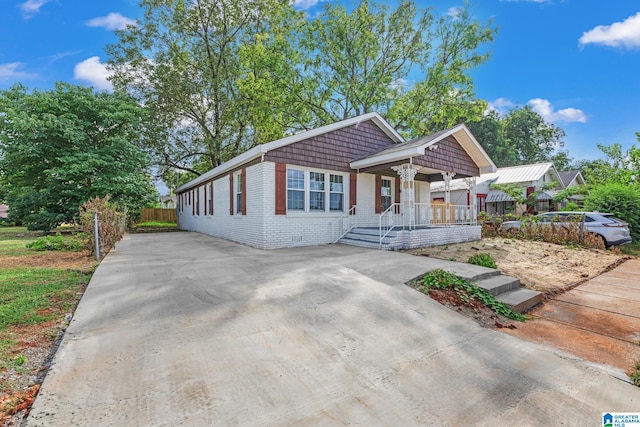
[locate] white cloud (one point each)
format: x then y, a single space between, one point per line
31 7
93 71
625 33
306 4
113 21
453 12
11 71
545 109
501 105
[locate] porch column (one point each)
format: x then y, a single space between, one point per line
472 209
447 177
407 174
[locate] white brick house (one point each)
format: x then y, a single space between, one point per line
313 187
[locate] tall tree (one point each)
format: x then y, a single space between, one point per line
365 61
208 70
219 76
520 137
618 166
59 148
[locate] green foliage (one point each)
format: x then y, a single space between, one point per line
519 195
635 374
520 137
55 243
618 166
157 224
440 279
485 260
621 200
63 146
224 76
20 359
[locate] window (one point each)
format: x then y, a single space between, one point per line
385 193
336 193
238 193
316 191
295 190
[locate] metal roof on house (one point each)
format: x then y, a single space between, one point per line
510 175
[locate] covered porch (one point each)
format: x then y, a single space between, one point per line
413 220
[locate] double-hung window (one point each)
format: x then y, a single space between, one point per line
336 193
314 191
238 188
295 190
317 194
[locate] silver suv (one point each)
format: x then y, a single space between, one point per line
613 231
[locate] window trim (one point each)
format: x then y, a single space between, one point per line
307 171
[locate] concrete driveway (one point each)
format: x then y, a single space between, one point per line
187 329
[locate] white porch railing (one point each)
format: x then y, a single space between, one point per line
435 214
344 224
389 219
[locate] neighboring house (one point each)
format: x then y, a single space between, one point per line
572 179
168 202
313 187
4 211
495 202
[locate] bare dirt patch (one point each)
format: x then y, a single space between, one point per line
541 266
81 261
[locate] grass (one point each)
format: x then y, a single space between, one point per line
635 373
15 246
631 249
156 224
32 299
34 295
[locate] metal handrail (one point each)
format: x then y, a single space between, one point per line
386 223
350 214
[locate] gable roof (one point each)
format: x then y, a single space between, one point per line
418 147
510 175
260 150
571 177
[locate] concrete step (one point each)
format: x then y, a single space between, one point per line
365 243
498 284
521 300
370 231
365 237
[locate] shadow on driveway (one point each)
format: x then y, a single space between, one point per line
187 329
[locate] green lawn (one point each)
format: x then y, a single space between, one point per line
15 246
156 224
31 296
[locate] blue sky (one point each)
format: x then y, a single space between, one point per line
576 62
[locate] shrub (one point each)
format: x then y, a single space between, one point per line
484 260
440 279
111 223
620 200
55 243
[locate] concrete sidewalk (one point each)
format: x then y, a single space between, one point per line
186 329
598 321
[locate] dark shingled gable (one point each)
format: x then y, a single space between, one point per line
333 150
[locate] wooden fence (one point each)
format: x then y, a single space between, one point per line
158 215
